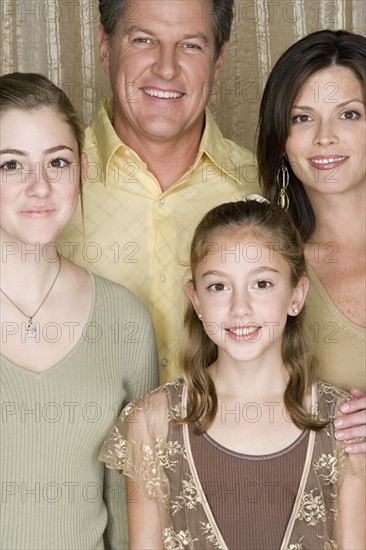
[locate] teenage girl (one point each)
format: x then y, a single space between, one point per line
75 348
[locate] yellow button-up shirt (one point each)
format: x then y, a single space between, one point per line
139 236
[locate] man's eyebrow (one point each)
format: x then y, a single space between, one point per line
135 28
199 35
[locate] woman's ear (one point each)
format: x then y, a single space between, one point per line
192 295
84 167
298 297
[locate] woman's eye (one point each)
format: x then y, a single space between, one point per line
262 284
300 118
58 163
11 166
217 287
350 115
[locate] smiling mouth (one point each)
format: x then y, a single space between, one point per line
244 331
161 94
325 162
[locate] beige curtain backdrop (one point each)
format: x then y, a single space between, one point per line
58 38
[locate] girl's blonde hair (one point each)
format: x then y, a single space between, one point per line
198 351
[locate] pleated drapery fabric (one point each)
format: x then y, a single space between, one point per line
58 38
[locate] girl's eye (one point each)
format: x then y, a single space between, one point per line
300 118
217 287
11 166
262 284
350 115
58 163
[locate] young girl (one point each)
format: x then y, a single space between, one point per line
241 453
75 347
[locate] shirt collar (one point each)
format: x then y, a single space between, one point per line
105 136
107 141
212 143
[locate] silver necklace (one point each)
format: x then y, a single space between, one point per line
31 330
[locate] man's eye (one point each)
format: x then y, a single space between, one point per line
191 46
142 40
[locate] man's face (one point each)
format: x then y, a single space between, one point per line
161 63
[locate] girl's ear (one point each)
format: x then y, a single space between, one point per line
84 167
298 296
192 295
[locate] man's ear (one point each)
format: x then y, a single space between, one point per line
298 296
84 167
192 295
103 42
219 63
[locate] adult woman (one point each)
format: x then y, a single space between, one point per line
311 154
75 347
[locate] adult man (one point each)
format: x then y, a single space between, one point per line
157 160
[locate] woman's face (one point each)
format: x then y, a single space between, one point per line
39 175
326 146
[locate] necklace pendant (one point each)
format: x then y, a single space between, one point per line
31 330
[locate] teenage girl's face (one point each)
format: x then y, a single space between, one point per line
39 175
327 142
244 294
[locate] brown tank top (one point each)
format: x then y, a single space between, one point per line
251 497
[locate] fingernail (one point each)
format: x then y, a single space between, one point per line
338 422
345 407
349 449
339 435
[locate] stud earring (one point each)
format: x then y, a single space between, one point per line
295 310
200 317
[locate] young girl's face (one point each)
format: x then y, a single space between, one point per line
244 294
39 175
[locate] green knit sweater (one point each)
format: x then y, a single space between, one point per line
55 492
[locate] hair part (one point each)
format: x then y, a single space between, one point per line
198 351
316 52
221 11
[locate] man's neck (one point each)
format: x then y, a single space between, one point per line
168 161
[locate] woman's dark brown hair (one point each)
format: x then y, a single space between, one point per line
316 52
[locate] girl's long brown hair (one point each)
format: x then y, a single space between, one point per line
198 351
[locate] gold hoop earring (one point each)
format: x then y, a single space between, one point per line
283 180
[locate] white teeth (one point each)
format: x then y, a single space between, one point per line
327 161
243 331
161 94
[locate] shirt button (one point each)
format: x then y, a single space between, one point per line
162 202
162 278
164 362
127 153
